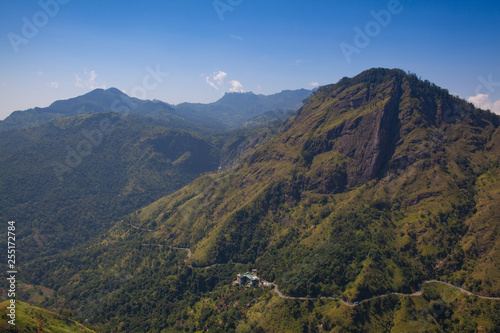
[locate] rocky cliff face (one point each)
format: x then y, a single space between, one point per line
370 118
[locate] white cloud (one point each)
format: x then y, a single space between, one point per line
217 80
236 37
219 77
211 83
89 81
236 86
484 102
314 84
40 73
54 85
299 62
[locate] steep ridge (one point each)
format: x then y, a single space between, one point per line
379 183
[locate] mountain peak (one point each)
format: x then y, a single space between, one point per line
232 97
98 98
373 76
365 118
114 90
240 93
100 93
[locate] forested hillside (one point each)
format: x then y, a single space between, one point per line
379 183
70 179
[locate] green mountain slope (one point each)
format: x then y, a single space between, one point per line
358 181
380 182
30 319
70 179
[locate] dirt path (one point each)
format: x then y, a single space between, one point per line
183 248
173 247
137 228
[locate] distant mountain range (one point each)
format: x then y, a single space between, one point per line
235 109
230 112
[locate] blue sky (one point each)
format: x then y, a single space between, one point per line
204 48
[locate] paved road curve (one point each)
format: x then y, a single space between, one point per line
418 293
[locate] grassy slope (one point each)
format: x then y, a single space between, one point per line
33 319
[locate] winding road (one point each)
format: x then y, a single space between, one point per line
280 294
418 293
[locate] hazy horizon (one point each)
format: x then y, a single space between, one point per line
106 88
195 52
